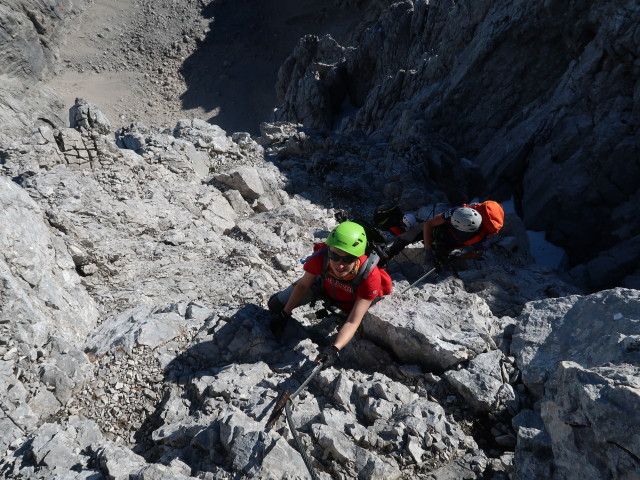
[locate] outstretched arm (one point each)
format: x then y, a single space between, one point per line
350 327
427 230
302 287
478 249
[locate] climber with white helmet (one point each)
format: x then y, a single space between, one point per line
463 232
409 220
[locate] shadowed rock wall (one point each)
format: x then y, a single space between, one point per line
542 96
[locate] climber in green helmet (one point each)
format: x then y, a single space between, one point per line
340 272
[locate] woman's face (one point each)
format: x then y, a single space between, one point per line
341 261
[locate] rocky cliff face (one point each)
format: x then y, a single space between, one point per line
137 261
542 97
30 37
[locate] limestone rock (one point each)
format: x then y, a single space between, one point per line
436 334
244 179
482 384
593 404
135 270
204 135
590 331
311 82
84 115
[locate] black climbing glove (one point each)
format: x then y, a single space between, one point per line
279 323
328 356
429 258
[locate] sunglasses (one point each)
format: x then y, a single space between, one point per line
342 258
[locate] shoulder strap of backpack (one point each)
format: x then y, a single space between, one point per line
325 264
369 264
305 260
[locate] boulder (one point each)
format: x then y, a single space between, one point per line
86 116
482 384
586 413
592 331
436 334
244 179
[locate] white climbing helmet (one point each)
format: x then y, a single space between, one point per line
409 220
466 219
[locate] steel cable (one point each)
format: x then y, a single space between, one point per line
305 458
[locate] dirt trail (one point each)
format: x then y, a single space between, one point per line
125 56
156 61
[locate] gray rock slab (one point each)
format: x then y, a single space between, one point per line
53 447
89 117
436 334
342 448
143 325
244 438
589 330
10 433
159 472
180 433
38 287
244 179
118 462
229 380
218 211
205 135
588 415
481 383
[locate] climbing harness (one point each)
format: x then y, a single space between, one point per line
284 401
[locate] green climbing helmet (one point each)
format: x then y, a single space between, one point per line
348 237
